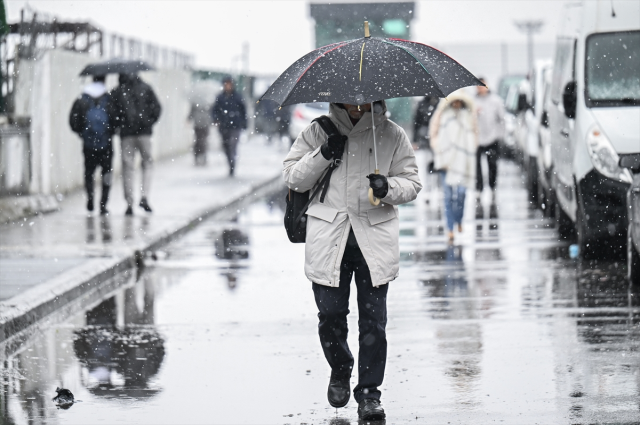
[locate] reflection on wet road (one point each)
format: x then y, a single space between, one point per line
221 328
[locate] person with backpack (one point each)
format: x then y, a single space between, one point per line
230 116
346 235
89 118
135 108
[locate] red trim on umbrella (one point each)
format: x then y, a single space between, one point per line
431 47
318 58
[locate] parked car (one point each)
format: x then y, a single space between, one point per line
303 114
632 163
508 148
546 196
593 119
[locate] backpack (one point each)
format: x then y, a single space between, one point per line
95 133
295 217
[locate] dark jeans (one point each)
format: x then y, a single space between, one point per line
230 139
92 160
491 151
200 144
333 304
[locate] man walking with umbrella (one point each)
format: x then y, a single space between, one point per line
352 228
230 116
136 109
347 235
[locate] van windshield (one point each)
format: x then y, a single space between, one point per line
613 61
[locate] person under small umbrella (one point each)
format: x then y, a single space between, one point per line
347 236
454 139
136 109
230 116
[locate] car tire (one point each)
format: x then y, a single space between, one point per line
532 183
633 258
585 241
566 229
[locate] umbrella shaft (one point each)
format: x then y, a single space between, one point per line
373 125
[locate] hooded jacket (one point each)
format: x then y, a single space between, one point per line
347 204
454 140
229 112
135 107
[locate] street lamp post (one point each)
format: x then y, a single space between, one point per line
530 28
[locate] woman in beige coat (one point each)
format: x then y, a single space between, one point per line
347 235
454 140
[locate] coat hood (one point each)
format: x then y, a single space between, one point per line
342 116
456 95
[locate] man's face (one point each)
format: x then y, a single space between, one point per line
228 86
357 111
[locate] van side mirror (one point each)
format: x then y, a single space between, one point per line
630 161
522 103
570 99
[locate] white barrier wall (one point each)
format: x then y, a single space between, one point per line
45 90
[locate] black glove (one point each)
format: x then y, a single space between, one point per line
334 147
379 184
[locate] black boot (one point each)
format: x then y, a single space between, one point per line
370 409
339 390
104 199
90 204
145 205
129 210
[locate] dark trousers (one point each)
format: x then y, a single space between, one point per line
200 144
230 139
92 160
491 151
333 304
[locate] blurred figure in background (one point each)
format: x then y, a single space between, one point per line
201 119
454 140
421 120
230 116
136 109
490 131
89 118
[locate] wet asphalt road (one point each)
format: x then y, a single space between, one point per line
500 326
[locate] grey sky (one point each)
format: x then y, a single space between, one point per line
279 32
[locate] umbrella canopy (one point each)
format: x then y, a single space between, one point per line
116 66
368 69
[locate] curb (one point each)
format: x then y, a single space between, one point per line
16 207
25 310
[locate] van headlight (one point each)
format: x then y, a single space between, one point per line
604 157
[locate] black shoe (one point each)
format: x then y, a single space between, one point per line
339 390
370 409
129 211
90 204
104 211
145 205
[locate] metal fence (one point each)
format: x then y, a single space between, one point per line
38 32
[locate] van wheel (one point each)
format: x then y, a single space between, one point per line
566 229
532 183
633 261
586 244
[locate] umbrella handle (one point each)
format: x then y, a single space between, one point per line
372 199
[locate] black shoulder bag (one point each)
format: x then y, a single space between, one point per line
295 217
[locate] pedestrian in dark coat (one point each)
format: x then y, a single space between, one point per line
136 109
230 116
90 118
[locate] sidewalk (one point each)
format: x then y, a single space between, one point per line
49 260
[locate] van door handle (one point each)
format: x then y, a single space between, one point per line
564 133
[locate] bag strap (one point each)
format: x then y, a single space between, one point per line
327 125
331 130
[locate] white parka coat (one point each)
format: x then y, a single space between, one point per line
347 204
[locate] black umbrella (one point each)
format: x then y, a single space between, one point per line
116 66
367 69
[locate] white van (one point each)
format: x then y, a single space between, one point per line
594 117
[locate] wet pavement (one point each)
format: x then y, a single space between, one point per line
220 327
